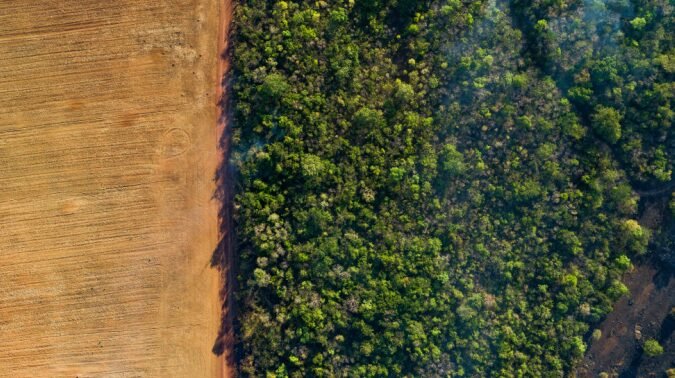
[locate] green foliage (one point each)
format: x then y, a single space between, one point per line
607 123
274 86
579 348
444 187
652 348
597 335
623 262
452 161
635 236
638 23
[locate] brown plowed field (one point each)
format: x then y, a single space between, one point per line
108 151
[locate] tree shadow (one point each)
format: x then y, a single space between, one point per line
632 369
223 257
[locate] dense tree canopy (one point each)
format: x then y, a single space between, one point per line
435 188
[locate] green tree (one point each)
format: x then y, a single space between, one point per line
452 161
274 86
635 236
607 123
652 348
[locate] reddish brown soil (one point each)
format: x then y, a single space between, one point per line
108 220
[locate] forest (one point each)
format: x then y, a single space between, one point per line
443 188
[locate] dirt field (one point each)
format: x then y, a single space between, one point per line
108 151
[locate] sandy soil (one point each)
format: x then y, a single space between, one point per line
108 151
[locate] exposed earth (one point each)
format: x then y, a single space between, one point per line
642 314
108 222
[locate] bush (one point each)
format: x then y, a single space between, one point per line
597 334
652 348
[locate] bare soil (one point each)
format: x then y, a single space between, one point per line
108 219
641 315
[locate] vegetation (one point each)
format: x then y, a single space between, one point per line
652 348
441 188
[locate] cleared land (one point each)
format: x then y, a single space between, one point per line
640 315
108 150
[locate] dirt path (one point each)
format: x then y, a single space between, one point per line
107 217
